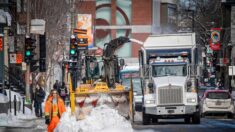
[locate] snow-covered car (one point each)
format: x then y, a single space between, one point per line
217 101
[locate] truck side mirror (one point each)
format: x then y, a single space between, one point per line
122 62
150 86
189 83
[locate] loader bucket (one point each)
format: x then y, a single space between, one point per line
88 96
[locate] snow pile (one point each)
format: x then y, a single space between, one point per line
3 98
18 96
17 121
101 118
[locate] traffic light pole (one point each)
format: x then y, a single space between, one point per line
27 74
27 90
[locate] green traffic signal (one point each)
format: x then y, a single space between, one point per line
27 53
72 51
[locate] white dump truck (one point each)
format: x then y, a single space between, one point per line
169 78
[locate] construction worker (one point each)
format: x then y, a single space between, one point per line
54 109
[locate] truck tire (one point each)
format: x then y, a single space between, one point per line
196 118
155 120
202 115
187 120
230 116
145 118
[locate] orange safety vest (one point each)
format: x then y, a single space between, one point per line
54 111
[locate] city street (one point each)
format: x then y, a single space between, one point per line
208 124
88 65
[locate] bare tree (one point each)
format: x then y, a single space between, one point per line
56 14
200 15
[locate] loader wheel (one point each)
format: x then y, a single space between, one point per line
196 118
133 113
145 118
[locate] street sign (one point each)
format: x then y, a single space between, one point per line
12 58
16 58
23 66
37 26
231 70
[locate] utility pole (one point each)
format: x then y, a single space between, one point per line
27 89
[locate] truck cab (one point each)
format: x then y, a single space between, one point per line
169 79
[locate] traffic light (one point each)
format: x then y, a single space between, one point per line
72 66
29 49
73 48
42 49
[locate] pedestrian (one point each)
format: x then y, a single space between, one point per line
38 99
54 108
56 86
63 91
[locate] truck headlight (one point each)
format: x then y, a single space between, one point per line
191 100
149 101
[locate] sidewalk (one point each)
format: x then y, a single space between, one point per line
25 125
22 122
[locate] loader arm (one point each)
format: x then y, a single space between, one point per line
111 65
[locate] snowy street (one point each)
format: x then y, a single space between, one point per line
105 119
209 124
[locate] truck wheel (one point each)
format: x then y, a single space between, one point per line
155 120
230 116
202 115
196 118
145 118
187 120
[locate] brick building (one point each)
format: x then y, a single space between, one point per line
131 18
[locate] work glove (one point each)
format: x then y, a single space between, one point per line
47 121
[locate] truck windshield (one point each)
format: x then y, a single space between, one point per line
169 70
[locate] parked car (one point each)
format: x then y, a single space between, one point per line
216 102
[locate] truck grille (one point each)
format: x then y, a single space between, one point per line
170 95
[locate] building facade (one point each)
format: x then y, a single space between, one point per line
135 19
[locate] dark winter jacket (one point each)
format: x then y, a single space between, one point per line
39 95
56 86
63 91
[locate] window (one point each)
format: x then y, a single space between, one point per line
218 95
169 70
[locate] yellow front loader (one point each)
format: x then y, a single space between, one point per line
104 91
